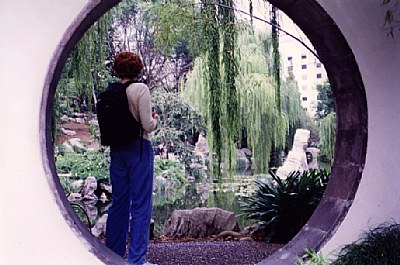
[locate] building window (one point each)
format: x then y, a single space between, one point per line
319 75
290 68
304 98
303 56
303 66
290 58
318 65
304 88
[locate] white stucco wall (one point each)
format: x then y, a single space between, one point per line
378 57
32 229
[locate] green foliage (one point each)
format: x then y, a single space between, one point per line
162 33
229 65
211 31
312 258
86 70
258 114
65 181
214 83
85 164
265 127
82 214
283 206
328 136
276 57
378 246
327 122
325 105
170 170
94 130
179 124
172 22
295 116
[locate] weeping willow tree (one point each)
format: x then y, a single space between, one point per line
276 56
219 33
86 67
258 113
229 64
213 79
327 136
210 30
85 71
265 126
268 121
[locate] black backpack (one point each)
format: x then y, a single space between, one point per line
117 125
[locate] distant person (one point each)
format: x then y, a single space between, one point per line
131 170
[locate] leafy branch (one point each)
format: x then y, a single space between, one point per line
175 11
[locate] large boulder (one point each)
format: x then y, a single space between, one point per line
89 188
73 143
201 147
68 131
200 223
243 158
77 186
100 226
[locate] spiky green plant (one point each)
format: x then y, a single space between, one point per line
379 246
283 206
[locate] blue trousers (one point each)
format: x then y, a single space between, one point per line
132 200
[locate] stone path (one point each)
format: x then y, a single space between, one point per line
210 253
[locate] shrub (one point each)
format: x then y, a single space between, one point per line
379 246
283 206
85 164
171 170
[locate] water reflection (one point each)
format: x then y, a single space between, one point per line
200 193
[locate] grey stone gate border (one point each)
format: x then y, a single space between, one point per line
351 144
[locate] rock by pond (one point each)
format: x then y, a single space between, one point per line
200 222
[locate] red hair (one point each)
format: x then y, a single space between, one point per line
127 65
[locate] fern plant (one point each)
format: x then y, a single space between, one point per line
283 206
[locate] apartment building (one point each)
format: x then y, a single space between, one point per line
297 61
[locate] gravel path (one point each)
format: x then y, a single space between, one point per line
210 253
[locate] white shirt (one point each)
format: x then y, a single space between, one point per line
138 95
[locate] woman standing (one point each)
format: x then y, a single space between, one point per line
131 170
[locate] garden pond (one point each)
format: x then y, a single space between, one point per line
227 195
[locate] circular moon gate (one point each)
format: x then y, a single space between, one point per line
351 139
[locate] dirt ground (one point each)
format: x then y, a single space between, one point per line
82 132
